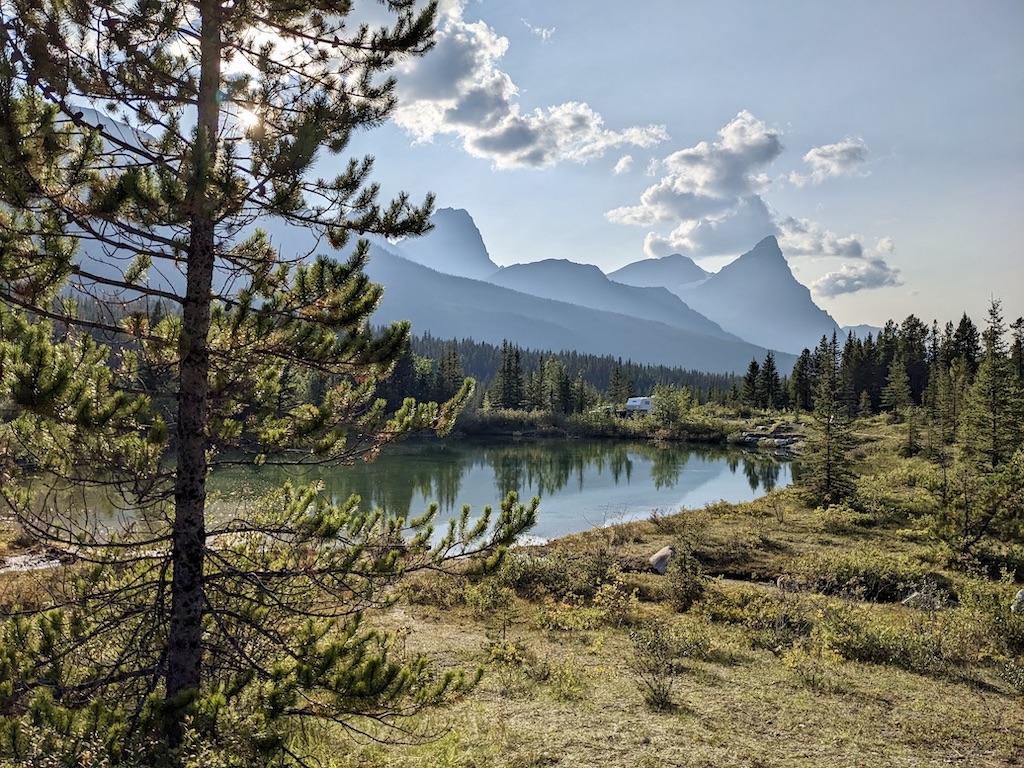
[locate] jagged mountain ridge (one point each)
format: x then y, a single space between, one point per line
456 307
588 286
756 298
454 246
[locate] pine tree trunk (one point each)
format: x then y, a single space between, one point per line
184 642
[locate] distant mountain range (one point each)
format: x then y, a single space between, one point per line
656 311
665 311
449 306
755 297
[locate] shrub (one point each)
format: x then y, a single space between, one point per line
777 622
841 518
558 572
685 580
815 667
567 680
568 615
654 653
488 598
908 491
985 620
856 634
617 603
865 575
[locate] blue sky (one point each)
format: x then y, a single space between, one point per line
881 141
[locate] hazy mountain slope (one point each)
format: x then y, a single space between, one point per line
672 272
454 246
588 286
455 307
757 298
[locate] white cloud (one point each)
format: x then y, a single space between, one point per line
709 193
458 89
851 278
624 165
829 160
545 34
709 201
802 237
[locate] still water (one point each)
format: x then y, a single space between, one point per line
581 483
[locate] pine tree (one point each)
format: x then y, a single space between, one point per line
826 476
896 396
209 120
509 387
620 387
1017 348
986 503
769 387
751 395
801 382
993 421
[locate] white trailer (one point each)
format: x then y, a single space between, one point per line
639 404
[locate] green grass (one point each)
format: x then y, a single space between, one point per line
796 652
782 643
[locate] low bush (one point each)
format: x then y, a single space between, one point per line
557 572
863 574
618 603
777 622
685 580
570 615
905 492
654 654
841 518
914 643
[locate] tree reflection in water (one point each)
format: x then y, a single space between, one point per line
575 479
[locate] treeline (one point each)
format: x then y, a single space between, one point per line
563 382
958 396
907 364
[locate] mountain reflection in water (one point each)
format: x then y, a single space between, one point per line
581 483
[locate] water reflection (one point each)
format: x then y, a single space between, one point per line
581 483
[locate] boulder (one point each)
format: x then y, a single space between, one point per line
1017 606
661 559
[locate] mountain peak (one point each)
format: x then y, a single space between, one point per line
766 248
454 246
757 298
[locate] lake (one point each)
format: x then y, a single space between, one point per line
581 483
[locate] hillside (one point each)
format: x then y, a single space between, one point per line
456 307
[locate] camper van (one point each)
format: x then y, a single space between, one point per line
639 405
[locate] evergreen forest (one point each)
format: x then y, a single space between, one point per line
871 614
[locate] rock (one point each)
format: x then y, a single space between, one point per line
661 558
787 583
918 600
1017 606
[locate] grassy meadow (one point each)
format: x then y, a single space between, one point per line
780 636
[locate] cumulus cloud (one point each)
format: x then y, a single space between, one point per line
841 159
624 165
708 201
709 194
545 34
460 90
802 237
850 278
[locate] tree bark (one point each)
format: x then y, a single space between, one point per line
184 642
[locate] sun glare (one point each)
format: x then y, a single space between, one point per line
247 118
